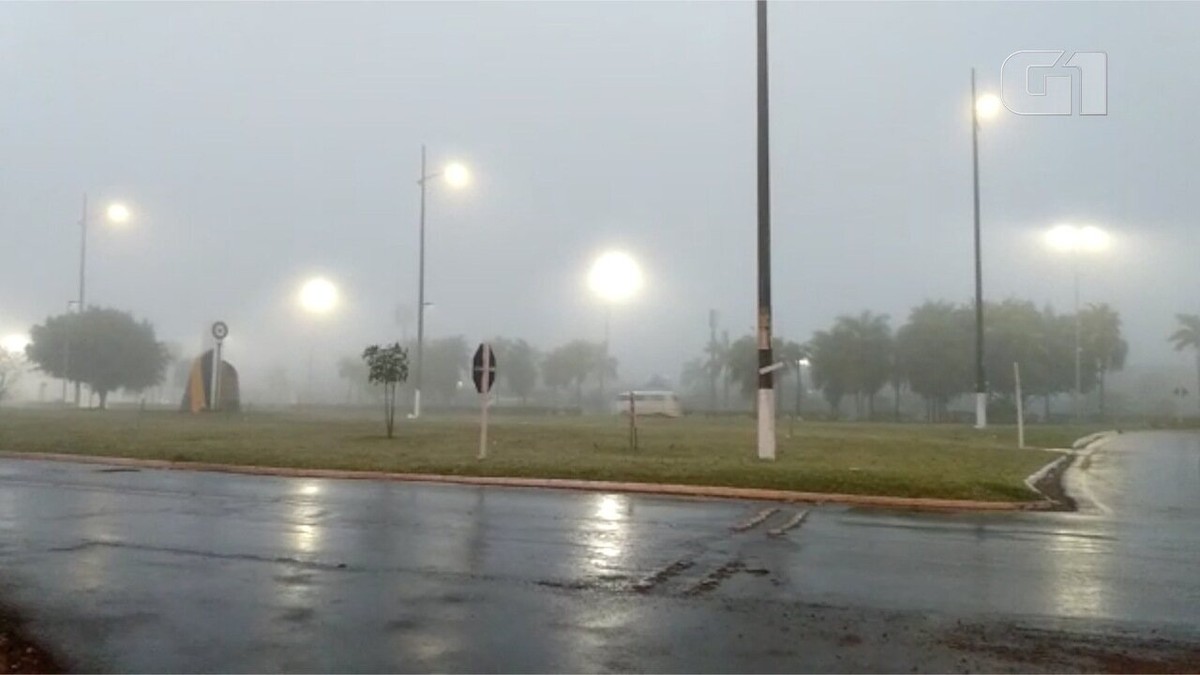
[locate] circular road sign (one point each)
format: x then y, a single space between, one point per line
220 330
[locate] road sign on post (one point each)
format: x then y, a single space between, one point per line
219 332
484 362
483 371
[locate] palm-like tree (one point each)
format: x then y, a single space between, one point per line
1103 343
870 345
1187 336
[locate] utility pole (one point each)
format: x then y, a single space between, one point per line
980 374
766 379
83 225
712 359
420 295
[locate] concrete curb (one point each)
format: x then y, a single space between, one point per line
1036 477
711 492
1093 439
1073 483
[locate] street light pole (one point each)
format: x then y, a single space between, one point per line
980 374
1079 348
604 356
766 379
83 228
420 294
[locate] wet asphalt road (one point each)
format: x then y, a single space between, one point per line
122 570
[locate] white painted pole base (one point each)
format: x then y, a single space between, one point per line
980 411
766 424
416 404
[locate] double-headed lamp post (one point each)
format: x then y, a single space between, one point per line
985 106
456 176
614 278
1074 240
115 213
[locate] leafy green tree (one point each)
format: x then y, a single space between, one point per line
1051 371
446 359
12 366
518 366
1016 332
572 364
1102 344
870 342
356 373
1187 336
108 350
832 366
934 354
741 360
693 378
388 366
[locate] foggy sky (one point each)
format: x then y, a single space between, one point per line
259 144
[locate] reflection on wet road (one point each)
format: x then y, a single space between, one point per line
169 571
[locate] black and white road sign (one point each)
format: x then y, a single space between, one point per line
485 360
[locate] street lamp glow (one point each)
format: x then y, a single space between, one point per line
1071 238
318 296
15 343
117 213
457 175
987 106
615 277
1093 238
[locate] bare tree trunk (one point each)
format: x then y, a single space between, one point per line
389 407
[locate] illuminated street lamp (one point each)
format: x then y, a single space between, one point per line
1075 240
318 296
456 175
115 213
14 343
615 278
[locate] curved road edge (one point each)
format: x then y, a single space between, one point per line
1074 480
701 491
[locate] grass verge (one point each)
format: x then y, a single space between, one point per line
908 460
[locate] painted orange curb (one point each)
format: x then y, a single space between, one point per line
713 491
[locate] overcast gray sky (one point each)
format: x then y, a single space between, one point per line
262 143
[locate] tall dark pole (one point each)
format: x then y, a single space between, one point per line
712 354
83 227
1077 398
766 379
420 294
604 355
980 374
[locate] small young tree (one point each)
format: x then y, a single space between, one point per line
12 365
387 365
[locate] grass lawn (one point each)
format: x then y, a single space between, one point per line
907 460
